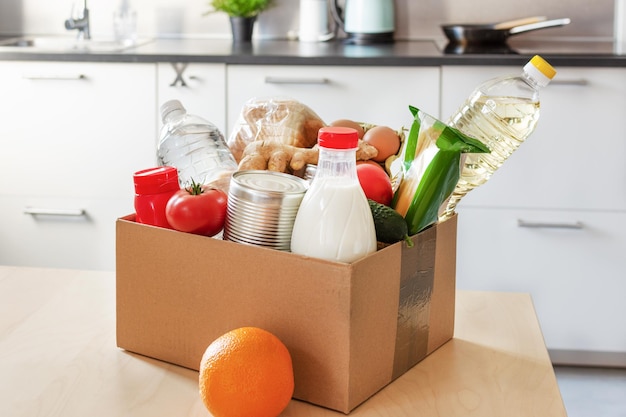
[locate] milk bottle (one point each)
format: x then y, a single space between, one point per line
334 221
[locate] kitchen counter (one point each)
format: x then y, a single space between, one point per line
58 358
595 53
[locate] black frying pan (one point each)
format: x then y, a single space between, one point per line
494 34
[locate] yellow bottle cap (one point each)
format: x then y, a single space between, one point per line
543 66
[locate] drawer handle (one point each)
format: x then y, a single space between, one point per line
40 211
291 80
550 225
579 82
179 69
77 77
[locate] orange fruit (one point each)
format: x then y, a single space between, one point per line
246 372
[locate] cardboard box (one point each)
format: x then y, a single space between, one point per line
351 328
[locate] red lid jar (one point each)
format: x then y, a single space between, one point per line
153 189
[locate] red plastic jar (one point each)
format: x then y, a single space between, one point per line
153 189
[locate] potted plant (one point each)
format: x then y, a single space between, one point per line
242 15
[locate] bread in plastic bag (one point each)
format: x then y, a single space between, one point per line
274 119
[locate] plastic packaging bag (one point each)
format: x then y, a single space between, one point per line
428 168
274 119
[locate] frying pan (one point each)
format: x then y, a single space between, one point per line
492 34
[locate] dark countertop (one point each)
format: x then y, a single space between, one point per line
583 53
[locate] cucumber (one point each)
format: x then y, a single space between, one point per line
389 224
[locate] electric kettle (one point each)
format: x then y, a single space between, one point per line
314 21
366 21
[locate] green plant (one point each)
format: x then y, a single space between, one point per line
239 8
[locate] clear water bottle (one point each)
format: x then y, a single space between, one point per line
195 147
501 113
334 220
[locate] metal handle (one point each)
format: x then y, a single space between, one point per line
580 82
77 77
179 69
295 80
37 211
539 25
549 225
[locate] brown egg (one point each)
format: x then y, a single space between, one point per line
349 123
385 139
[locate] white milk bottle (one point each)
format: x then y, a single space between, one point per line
334 221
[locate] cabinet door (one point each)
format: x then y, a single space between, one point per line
575 157
72 136
571 262
379 95
200 87
76 129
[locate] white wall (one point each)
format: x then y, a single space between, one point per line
415 18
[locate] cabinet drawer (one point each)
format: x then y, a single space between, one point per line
575 157
76 129
59 236
379 95
571 262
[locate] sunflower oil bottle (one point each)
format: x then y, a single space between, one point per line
501 113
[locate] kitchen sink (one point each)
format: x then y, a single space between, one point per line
65 44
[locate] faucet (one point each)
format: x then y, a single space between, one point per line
81 23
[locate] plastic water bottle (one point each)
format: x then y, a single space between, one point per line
125 23
195 147
501 113
334 220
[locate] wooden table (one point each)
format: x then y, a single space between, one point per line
58 357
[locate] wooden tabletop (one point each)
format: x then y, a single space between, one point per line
58 357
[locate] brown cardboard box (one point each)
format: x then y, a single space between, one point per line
351 328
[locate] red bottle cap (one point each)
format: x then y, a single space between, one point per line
336 137
156 180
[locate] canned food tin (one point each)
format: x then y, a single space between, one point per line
262 207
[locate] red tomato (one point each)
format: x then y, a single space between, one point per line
369 161
375 183
198 209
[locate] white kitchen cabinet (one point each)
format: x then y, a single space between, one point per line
575 275
200 87
60 241
378 95
568 181
72 135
